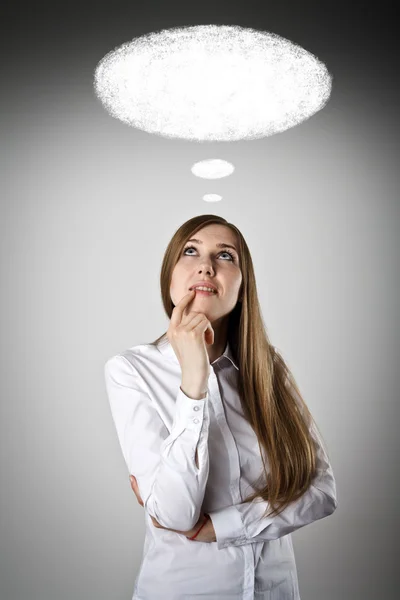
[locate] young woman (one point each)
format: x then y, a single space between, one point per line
225 456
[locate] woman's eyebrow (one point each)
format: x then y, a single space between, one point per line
219 245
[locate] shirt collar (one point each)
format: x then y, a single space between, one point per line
167 350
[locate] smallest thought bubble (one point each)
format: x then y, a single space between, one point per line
212 168
212 198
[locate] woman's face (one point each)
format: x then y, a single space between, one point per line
206 261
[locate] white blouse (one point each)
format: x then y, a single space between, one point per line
159 430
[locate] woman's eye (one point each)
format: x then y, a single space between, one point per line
223 252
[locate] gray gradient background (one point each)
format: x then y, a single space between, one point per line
88 206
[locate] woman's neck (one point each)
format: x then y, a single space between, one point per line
220 338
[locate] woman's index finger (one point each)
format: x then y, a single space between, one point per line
180 307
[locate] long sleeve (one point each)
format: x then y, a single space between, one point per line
170 483
243 523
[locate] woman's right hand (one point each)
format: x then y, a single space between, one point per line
188 334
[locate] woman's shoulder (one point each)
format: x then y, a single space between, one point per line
142 363
143 357
133 354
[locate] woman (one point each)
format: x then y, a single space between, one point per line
225 456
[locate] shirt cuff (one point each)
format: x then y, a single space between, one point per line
228 527
189 413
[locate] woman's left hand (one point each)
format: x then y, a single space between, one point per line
207 533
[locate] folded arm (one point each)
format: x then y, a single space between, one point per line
243 523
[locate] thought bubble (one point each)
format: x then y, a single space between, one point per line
212 197
212 83
212 168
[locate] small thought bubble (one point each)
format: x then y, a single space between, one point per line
212 168
212 198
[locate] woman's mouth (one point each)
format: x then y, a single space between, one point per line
204 293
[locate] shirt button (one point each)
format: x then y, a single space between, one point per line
196 407
195 420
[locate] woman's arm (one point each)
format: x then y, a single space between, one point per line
204 530
171 484
243 523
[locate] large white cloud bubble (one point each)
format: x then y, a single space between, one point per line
212 83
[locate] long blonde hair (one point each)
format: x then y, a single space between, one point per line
270 398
